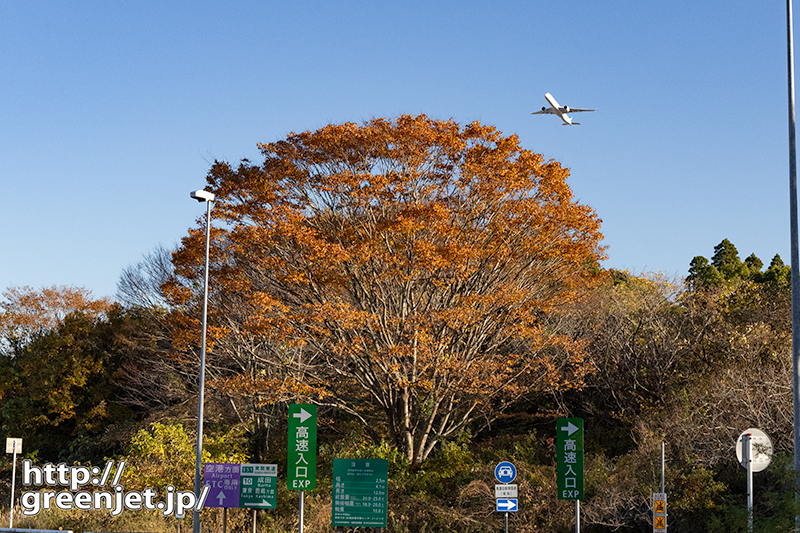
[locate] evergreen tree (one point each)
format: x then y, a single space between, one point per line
702 273
778 272
753 265
726 260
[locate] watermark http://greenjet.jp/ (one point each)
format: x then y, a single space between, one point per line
75 478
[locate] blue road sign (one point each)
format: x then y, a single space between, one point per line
507 505
505 472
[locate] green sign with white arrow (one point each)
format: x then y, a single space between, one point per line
258 486
301 468
569 455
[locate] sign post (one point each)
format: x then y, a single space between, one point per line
301 468
754 452
505 494
569 467
13 446
248 486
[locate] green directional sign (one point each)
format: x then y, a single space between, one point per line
258 486
360 492
301 467
569 455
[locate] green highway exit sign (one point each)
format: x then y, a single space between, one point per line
569 456
301 467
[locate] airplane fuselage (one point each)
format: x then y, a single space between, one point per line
561 111
558 110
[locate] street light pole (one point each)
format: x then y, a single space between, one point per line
207 197
795 272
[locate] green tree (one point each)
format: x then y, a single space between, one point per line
57 388
703 274
725 268
753 265
164 454
62 367
777 272
726 260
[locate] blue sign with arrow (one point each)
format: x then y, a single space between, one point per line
508 505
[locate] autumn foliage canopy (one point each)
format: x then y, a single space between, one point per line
25 312
410 271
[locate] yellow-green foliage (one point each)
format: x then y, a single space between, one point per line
165 454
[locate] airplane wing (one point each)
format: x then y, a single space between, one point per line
562 111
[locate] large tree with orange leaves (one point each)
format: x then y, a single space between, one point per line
26 312
416 266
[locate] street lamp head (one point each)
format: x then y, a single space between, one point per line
202 195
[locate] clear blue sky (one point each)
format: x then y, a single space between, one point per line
111 112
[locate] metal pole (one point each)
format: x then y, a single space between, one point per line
663 491
13 479
577 516
254 520
505 522
795 272
201 388
747 447
301 511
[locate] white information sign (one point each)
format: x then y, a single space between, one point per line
13 445
762 449
505 491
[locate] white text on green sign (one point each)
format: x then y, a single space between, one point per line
258 486
360 492
569 455
301 468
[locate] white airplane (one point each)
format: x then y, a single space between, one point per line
556 109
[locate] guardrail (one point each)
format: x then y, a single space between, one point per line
23 530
